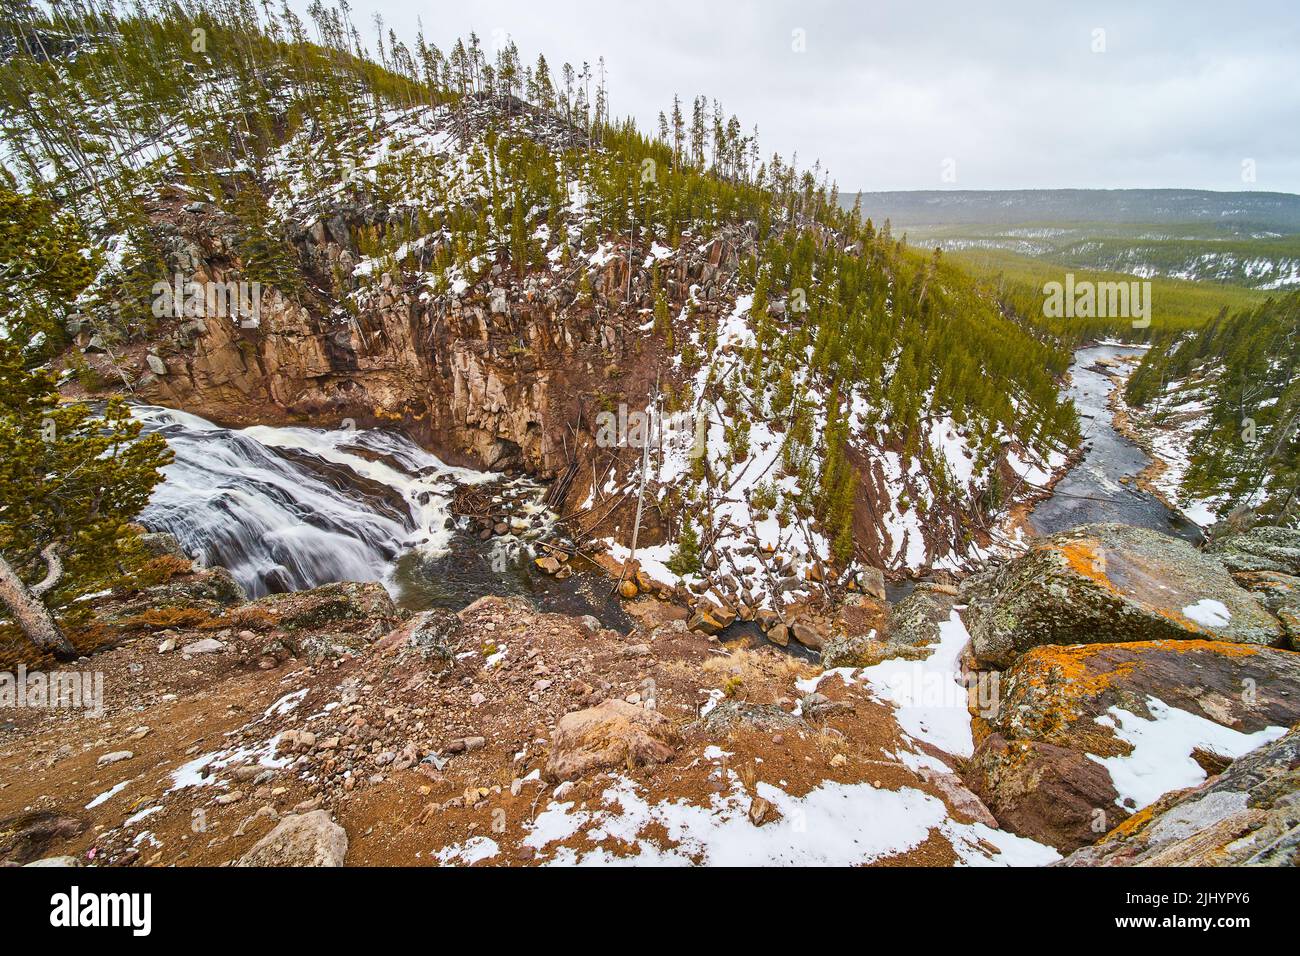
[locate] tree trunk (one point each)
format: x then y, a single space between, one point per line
32 615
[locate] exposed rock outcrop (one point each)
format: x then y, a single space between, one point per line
492 377
1111 583
1247 816
1260 549
1037 762
915 620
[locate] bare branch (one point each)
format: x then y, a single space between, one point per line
54 570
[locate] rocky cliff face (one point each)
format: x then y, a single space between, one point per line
496 378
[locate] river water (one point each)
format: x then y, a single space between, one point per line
291 508
1094 490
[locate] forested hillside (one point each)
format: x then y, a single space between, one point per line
857 397
1228 397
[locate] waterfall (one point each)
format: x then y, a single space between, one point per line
290 508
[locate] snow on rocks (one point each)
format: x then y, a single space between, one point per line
1162 746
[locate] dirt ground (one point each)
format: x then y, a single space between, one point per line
418 747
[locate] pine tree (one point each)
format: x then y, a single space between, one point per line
70 480
685 559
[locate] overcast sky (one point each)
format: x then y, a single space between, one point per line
1180 94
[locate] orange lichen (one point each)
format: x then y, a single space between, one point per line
1130 826
1084 557
1069 678
1068 664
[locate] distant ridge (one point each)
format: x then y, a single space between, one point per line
1279 212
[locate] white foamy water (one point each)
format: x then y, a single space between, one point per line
290 508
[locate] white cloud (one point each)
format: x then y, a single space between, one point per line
886 91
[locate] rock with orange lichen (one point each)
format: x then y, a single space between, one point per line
1042 791
1035 767
1108 583
613 734
1247 816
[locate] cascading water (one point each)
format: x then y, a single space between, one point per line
290 508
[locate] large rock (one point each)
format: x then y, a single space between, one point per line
612 734
158 544
1272 589
307 839
872 581
1247 816
807 633
864 650
915 620
1110 583
1037 762
1049 793
1280 594
906 631
1260 549
860 614
710 618
340 604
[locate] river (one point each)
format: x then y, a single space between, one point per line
1095 489
291 508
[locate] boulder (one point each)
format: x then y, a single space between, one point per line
872 582
306 839
1247 816
33 834
612 734
1280 594
915 620
158 544
1111 583
1038 764
1042 791
808 634
729 715
340 604
710 618
214 584
864 650
1260 549
207 645
1272 589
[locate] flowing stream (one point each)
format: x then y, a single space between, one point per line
290 508
1095 489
